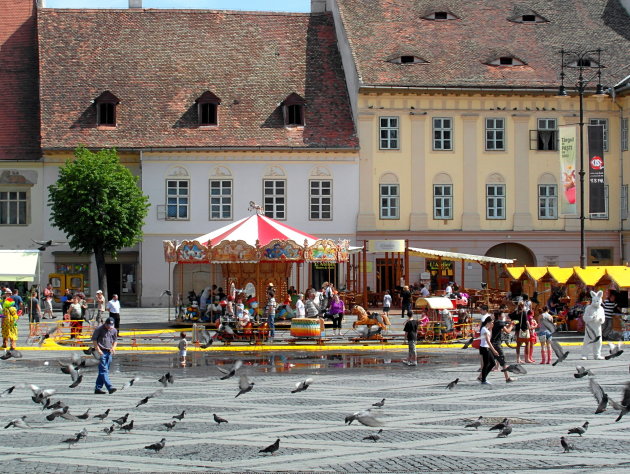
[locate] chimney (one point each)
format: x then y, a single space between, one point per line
318 6
40 3
135 3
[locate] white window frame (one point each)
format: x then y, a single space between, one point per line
178 199
11 200
495 202
602 215
547 202
275 198
389 201
220 196
389 133
442 134
604 122
495 134
320 199
542 125
443 201
624 134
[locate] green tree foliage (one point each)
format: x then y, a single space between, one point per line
97 202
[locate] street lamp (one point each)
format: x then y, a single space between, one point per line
582 61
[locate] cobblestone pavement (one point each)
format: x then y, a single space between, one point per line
423 422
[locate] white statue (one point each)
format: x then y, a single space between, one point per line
594 317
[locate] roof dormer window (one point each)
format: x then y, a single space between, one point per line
528 18
583 62
406 59
506 61
293 110
440 16
106 105
207 108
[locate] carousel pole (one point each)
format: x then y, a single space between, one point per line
365 295
463 274
439 273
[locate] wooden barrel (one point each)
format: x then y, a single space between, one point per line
304 327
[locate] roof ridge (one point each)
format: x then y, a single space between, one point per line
183 10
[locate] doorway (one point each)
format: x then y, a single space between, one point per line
112 270
388 274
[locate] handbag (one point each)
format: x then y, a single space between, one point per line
523 334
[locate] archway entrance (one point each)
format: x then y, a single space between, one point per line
521 254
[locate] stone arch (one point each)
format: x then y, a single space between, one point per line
522 255
442 178
318 171
220 172
388 178
177 172
274 170
547 178
495 178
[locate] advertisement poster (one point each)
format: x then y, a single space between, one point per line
596 186
568 153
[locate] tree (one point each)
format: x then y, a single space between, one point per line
96 201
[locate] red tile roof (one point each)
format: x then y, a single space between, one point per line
456 50
158 62
19 113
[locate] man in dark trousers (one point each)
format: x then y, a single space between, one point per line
405 296
104 339
500 327
411 331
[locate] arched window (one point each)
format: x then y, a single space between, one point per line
293 110
207 109
106 105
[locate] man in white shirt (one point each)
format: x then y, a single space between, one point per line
299 306
449 289
424 292
113 306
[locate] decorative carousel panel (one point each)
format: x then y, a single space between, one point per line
192 251
278 250
323 250
234 251
170 253
342 254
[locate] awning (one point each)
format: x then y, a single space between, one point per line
457 256
536 273
561 275
434 302
589 275
515 272
618 274
18 265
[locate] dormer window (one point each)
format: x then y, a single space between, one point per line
506 61
106 104
528 18
207 107
440 16
407 59
583 62
293 110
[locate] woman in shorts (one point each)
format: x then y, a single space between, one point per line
545 324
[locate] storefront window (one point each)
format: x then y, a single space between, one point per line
128 286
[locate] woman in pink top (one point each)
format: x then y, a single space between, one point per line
336 313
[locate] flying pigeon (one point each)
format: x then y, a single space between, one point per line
170 425
548 325
272 448
76 382
244 385
566 446
130 383
582 372
579 429
451 385
468 343
102 416
615 351
122 420
57 413
18 423
12 353
166 379
109 430
379 404
181 416
230 373
600 396
303 385
475 424
58 405
506 431
500 426
9 390
145 400
557 349
157 446
218 419
374 437
515 369
624 406
69 416
364 417
40 395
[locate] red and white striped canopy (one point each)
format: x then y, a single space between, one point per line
256 227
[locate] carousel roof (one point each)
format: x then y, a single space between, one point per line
256 228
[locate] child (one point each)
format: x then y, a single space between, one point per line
182 346
387 303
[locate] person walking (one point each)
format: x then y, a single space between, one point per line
113 306
487 350
48 301
35 314
387 302
336 311
270 312
105 339
182 346
545 335
411 332
405 295
500 327
100 306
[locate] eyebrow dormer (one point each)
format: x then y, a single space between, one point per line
207 109
506 61
293 110
106 105
440 15
406 59
527 17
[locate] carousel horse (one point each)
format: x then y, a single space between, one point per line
381 320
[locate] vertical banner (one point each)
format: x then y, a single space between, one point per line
596 191
568 154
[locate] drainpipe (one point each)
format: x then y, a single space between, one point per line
621 240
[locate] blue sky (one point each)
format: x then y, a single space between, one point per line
267 5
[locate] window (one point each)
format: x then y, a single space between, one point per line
528 18
602 215
442 133
106 104
624 134
603 122
177 199
220 199
506 61
390 198
388 133
407 59
440 16
274 198
320 199
546 136
495 201
547 201
442 201
495 134
583 63
13 207
207 109
293 110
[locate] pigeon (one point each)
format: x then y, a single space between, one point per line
515 369
18 423
218 419
272 448
102 416
40 395
500 426
244 385
181 416
451 385
89 351
76 383
230 373
57 413
82 434
11 353
548 325
600 396
303 385
157 446
170 425
475 424
364 417
58 405
85 415
468 343
506 431
579 429
130 383
109 430
557 349
143 401
379 404
582 372
72 441
41 339
128 427
615 351
374 437
9 390
624 406
166 379
122 420
69 416
566 446
146 399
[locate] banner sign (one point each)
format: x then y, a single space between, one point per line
568 153
386 245
596 187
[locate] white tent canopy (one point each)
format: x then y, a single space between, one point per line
18 265
456 256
